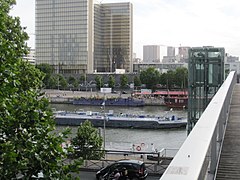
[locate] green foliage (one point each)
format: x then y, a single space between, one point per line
123 81
62 81
137 81
111 82
48 71
73 81
150 77
27 143
181 77
82 79
99 82
87 143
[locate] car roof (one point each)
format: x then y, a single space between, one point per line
131 161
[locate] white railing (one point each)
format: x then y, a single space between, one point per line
198 156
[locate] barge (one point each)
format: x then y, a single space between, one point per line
120 120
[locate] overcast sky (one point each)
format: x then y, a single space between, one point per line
169 23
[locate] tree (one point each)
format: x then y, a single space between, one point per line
137 81
48 71
111 82
181 77
27 143
150 77
88 143
62 81
123 81
170 79
72 81
99 82
82 79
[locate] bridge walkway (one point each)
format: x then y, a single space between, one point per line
229 163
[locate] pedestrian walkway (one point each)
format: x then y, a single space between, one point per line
229 164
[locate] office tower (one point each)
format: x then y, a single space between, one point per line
151 53
113 37
170 51
183 53
68 30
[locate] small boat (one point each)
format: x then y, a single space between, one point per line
120 120
176 101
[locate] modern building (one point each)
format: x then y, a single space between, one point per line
113 37
170 51
79 37
205 76
151 54
161 67
183 53
30 57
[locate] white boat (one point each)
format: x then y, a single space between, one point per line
120 120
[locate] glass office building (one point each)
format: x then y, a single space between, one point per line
113 37
75 38
205 76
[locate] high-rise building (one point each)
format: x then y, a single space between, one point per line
183 53
76 36
170 51
151 53
113 37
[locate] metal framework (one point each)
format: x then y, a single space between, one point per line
206 75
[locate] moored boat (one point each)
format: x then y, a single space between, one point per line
120 120
109 102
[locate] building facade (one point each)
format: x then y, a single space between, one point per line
151 53
113 37
170 51
75 38
183 53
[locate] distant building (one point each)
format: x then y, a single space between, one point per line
232 59
161 67
169 59
79 37
183 53
151 53
170 51
30 57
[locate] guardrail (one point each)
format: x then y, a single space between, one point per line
155 162
198 156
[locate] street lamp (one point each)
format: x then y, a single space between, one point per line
104 123
105 90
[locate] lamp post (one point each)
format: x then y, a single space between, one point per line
104 123
104 90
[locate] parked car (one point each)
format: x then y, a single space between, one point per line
135 170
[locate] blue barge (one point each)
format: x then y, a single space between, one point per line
119 121
109 102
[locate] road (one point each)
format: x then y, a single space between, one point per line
84 175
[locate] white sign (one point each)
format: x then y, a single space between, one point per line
106 90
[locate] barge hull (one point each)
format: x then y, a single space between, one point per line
71 121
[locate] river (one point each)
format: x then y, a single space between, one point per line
124 139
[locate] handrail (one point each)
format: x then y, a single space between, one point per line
198 154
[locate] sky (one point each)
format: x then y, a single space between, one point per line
169 23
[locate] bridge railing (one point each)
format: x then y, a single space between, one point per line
198 156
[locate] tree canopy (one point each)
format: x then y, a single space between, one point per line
27 144
150 77
87 142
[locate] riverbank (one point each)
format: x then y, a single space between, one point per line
67 97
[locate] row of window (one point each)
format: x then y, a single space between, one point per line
59 2
73 10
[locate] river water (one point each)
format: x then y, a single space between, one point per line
126 139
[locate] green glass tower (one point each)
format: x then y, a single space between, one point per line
206 75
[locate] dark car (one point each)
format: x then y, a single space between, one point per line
135 170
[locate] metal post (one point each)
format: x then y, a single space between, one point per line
104 124
213 152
